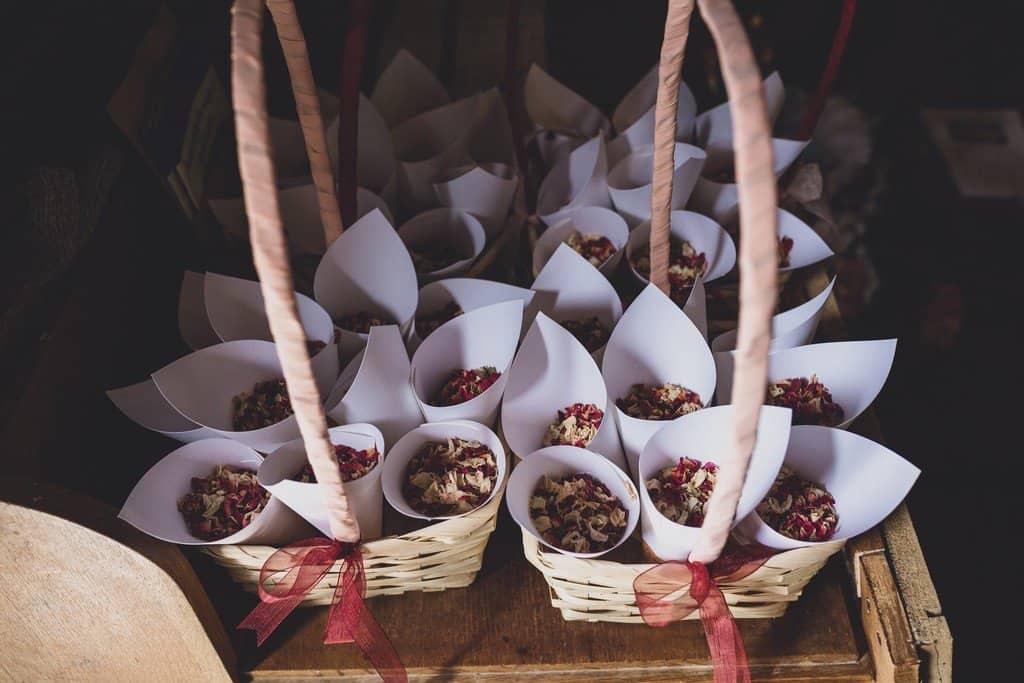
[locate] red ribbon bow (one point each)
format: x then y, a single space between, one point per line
663 598
304 563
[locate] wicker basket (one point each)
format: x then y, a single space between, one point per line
444 555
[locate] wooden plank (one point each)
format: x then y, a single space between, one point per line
885 623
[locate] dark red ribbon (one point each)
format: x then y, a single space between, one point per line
671 591
303 565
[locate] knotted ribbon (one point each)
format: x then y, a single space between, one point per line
304 564
671 591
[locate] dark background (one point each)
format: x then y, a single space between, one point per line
948 268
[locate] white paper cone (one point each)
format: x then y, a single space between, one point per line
486 336
630 181
705 436
791 328
427 145
366 269
590 219
696 307
492 140
808 247
553 106
375 387
554 147
578 180
484 190
718 200
853 371
654 343
460 230
558 462
468 294
569 288
152 506
367 201
201 385
714 127
397 462
552 371
867 480
406 88
633 118
703 233
193 323
146 406
364 494
375 153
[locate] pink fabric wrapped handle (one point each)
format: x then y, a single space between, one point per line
270 254
757 253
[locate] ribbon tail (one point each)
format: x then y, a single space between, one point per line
267 616
350 621
728 656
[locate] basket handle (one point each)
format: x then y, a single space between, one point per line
293 44
757 252
270 255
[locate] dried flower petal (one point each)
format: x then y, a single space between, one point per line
466 384
577 513
799 508
809 399
450 478
433 256
681 493
594 247
575 425
224 503
684 265
352 463
590 332
785 247
659 401
361 321
431 321
265 405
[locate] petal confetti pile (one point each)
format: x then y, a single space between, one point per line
684 265
799 509
466 384
659 401
809 399
577 513
429 322
576 425
450 478
681 493
594 247
590 332
222 504
361 322
265 405
352 463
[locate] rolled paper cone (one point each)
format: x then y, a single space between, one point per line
554 147
704 436
365 496
569 288
553 371
429 144
633 117
367 269
193 323
714 127
460 230
654 343
557 462
492 140
808 246
487 336
201 387
704 235
630 181
375 387
578 180
405 89
396 465
468 294
718 200
146 406
367 201
553 106
375 153
791 328
696 307
485 190
866 479
588 220
152 506
854 371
